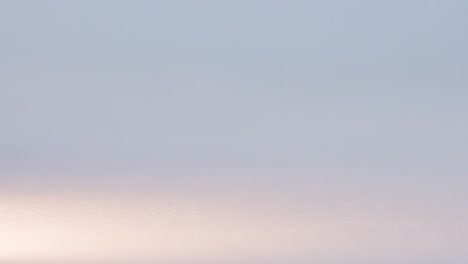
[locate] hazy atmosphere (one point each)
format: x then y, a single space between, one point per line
234 131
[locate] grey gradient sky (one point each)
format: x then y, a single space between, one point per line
316 103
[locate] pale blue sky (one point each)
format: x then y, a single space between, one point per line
356 84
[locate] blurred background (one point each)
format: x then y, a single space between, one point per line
233 131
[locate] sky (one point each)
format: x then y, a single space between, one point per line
234 131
